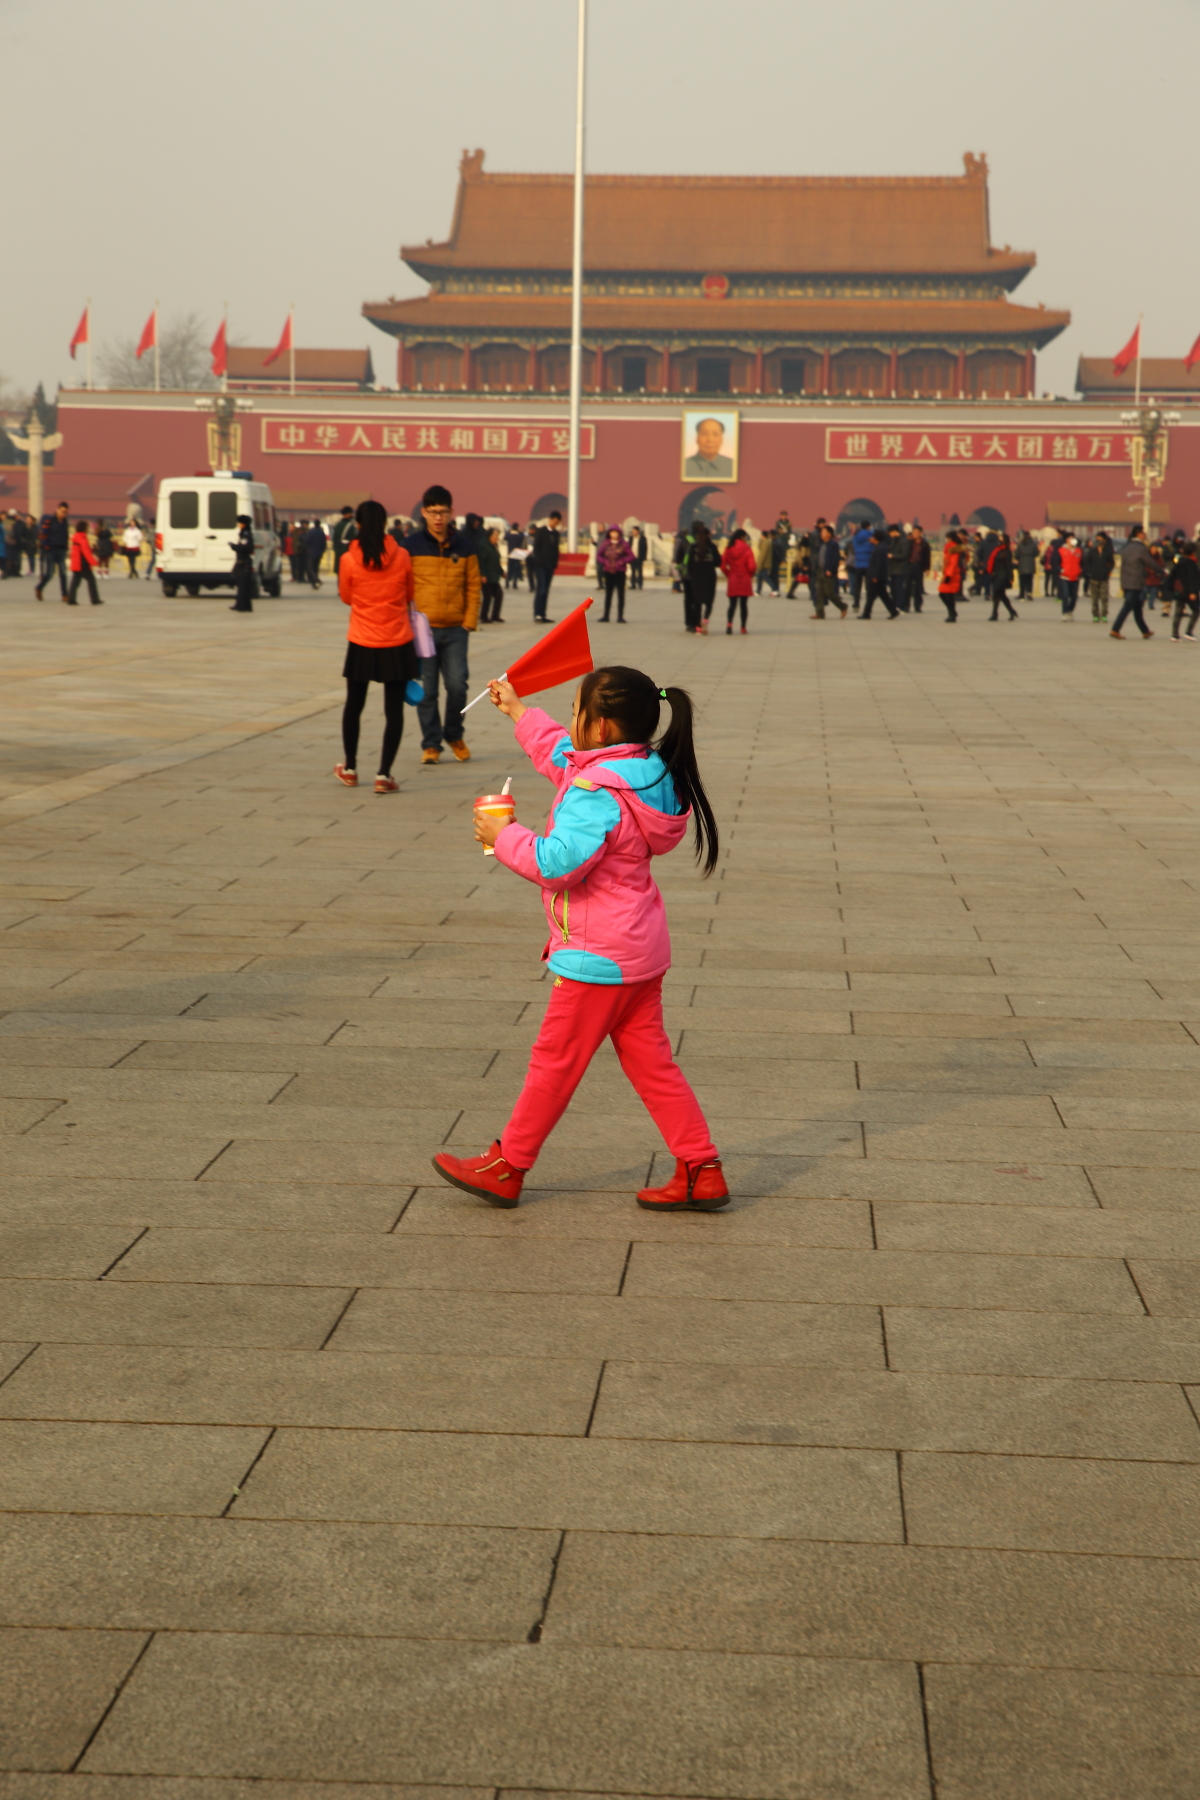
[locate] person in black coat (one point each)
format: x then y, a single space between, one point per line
314 550
243 565
640 546
1000 574
1185 585
544 560
877 577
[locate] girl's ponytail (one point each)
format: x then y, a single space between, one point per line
632 699
677 747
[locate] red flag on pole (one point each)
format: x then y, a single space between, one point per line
1130 353
81 332
1193 355
217 351
285 343
561 655
149 337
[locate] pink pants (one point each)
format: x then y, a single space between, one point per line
581 1014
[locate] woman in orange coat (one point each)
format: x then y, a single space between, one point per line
375 579
954 558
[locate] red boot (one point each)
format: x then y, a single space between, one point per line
694 1187
490 1176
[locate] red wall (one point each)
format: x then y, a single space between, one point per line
636 468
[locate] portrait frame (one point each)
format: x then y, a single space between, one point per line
721 465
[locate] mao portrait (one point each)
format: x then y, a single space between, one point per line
710 445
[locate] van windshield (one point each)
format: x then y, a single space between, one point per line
185 510
223 510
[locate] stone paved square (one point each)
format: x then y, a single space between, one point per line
884 1484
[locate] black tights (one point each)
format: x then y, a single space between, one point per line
393 729
736 600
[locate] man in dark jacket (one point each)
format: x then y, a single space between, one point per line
1185 584
1136 565
898 567
314 550
243 564
640 546
544 558
825 559
859 560
55 542
920 559
877 576
1000 574
1098 562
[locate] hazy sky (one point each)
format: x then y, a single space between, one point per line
268 153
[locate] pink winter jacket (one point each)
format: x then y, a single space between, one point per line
615 809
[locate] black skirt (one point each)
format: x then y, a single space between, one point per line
398 662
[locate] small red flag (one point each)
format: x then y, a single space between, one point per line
217 351
1130 353
285 343
561 655
149 337
1193 355
81 332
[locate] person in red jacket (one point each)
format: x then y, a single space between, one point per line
375 579
739 566
83 561
954 557
1070 569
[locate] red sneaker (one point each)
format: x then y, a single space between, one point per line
347 777
490 1176
694 1187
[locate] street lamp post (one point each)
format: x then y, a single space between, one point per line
577 290
1148 463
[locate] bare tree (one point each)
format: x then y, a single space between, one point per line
183 358
13 399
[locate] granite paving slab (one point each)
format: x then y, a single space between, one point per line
316 1472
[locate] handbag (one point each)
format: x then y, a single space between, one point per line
422 632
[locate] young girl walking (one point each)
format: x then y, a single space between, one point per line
623 797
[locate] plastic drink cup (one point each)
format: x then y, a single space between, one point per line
496 806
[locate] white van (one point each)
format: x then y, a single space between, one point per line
197 523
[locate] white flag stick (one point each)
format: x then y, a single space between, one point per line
483 692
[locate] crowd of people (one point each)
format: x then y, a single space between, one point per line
851 573
889 565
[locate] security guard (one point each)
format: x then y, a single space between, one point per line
243 550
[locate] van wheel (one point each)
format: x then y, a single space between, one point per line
272 586
170 589
193 588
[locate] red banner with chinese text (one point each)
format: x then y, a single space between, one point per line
847 444
291 436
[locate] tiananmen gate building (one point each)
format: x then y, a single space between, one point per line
712 285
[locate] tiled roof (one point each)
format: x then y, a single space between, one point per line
247 363
1160 375
727 224
535 315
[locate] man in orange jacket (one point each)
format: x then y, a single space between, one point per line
446 589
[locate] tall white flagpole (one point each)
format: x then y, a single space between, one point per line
291 349
225 376
577 291
1137 397
157 364
89 341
